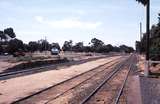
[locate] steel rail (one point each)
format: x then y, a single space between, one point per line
117 62
124 82
123 85
100 85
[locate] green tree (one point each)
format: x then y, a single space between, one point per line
110 47
15 45
116 49
87 49
96 44
2 36
33 46
43 45
67 46
9 32
78 47
126 49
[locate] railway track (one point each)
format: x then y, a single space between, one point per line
47 95
8 75
121 98
84 92
111 90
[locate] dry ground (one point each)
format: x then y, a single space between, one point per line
141 66
15 88
9 61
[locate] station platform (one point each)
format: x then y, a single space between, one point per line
143 90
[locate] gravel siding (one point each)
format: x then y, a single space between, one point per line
150 90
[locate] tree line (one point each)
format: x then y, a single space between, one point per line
95 45
154 42
10 44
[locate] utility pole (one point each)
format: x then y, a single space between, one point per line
147 37
140 31
140 36
148 29
45 46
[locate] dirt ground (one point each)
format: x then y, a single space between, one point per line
6 65
141 63
141 66
15 88
9 61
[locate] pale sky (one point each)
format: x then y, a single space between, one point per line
112 21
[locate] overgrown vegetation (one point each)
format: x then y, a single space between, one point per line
154 42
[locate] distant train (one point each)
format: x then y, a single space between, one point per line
55 51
